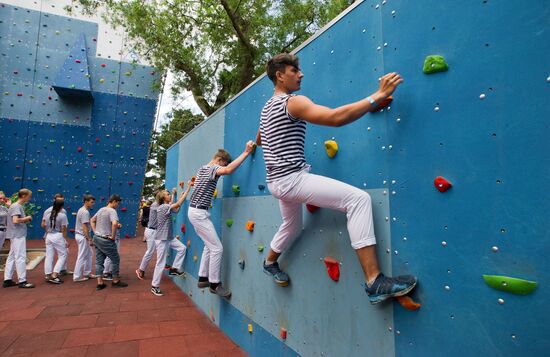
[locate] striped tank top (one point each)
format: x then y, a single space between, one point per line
283 138
205 185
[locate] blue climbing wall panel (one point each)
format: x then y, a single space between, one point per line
94 138
482 125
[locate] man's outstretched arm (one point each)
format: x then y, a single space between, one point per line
303 108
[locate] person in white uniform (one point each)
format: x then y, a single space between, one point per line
3 218
164 237
58 197
16 232
83 237
149 235
55 223
205 184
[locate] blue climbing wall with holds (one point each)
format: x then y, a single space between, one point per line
72 120
457 170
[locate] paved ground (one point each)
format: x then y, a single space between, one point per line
73 319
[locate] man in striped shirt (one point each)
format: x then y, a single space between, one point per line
282 136
205 185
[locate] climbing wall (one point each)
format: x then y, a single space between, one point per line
457 169
73 120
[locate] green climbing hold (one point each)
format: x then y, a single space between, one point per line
434 64
261 248
511 285
229 222
52 141
35 179
117 146
236 189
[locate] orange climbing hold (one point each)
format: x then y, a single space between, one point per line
193 180
311 208
182 184
442 184
333 268
250 226
408 303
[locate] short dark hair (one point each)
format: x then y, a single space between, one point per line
278 63
115 198
224 155
87 198
24 192
58 195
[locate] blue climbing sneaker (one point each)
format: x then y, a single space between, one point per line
278 275
385 287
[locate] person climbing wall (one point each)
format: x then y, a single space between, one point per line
205 185
282 135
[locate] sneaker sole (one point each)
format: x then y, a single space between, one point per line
80 280
381 298
203 286
157 294
139 275
279 282
222 296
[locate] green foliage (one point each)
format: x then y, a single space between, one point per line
181 122
215 48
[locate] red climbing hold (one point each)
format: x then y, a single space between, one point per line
442 184
383 103
311 208
19 94
126 235
283 333
72 230
183 228
333 268
77 61
79 149
408 303
103 65
96 140
123 209
94 165
130 183
182 184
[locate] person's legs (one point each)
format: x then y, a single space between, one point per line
20 245
180 249
161 247
114 257
205 262
2 239
99 259
107 266
81 258
50 254
61 249
207 232
10 263
88 258
150 239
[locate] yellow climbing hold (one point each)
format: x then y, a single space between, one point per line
332 148
215 193
195 258
250 328
101 80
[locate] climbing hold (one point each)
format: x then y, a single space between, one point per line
511 285
195 258
250 226
183 228
311 208
249 328
253 149
261 248
283 333
442 184
333 268
123 209
331 147
212 315
434 64
182 184
188 243
229 222
261 187
40 190
79 149
35 179
241 264
236 189
408 303
215 193
193 180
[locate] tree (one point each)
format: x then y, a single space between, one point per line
181 122
215 48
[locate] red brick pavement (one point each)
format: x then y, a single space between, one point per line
73 319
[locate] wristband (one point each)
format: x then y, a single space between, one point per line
372 102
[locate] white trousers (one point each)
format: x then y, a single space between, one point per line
55 243
162 247
17 259
211 259
84 259
2 238
150 239
107 265
302 187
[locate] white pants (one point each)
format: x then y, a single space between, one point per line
2 238
107 268
84 259
17 259
150 239
211 259
302 187
162 247
55 243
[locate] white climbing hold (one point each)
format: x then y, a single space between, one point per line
482 96
501 301
444 243
436 109
447 287
494 249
